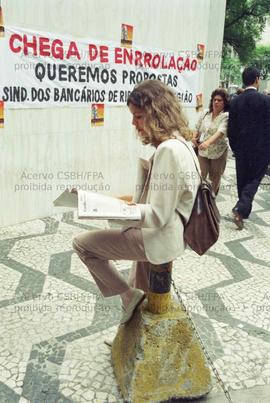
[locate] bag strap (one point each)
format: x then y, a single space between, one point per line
198 169
206 113
196 162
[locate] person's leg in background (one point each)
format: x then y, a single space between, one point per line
204 165
242 168
216 170
254 172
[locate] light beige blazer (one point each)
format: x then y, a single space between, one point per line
167 189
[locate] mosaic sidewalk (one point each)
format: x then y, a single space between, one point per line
53 320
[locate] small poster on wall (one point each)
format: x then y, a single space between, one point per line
199 102
200 50
97 115
2 29
126 35
1 114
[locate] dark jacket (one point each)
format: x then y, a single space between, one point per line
249 124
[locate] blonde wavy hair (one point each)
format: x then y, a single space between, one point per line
163 112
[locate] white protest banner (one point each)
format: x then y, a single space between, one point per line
39 70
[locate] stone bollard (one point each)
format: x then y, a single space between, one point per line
159 295
156 356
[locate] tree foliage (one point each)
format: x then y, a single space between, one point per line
260 58
244 23
231 70
231 66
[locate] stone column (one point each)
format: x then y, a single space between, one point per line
156 356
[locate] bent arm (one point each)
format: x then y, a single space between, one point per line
221 132
168 184
213 139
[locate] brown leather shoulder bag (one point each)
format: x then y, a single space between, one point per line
202 229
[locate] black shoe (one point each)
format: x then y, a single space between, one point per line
238 219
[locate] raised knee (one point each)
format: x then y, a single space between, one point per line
80 246
76 244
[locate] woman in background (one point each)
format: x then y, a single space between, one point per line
211 138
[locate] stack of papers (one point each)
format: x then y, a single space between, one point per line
97 206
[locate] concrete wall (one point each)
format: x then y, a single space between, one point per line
52 141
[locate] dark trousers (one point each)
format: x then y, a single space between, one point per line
214 168
249 172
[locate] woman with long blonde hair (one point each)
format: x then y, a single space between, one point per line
164 192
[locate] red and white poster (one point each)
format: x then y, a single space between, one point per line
1 114
126 35
42 69
201 51
2 28
199 102
97 114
